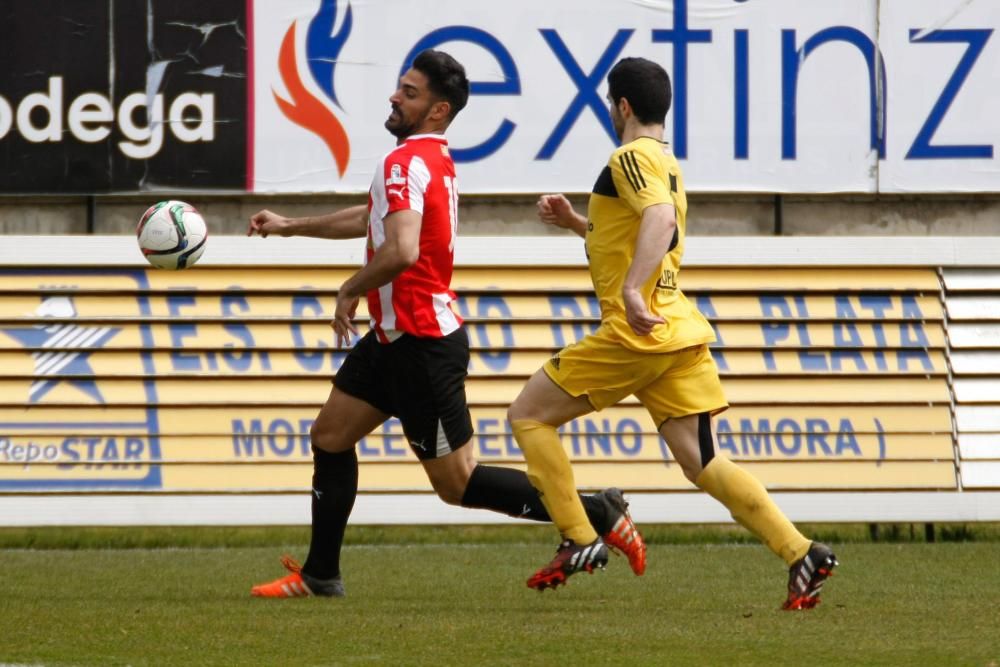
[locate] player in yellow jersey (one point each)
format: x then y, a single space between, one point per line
652 342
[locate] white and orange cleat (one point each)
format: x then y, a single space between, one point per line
298 585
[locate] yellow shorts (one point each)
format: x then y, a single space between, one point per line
668 384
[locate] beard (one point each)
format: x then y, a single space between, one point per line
399 126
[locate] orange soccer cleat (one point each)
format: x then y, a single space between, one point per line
298 585
623 536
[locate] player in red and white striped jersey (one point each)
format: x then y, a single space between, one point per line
413 362
417 177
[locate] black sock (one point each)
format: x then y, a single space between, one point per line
335 486
508 491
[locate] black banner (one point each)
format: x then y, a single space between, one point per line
98 98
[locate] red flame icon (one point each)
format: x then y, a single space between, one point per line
307 111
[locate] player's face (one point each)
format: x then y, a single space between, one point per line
411 104
616 118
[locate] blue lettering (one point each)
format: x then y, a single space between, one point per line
911 334
788 426
922 148
248 442
68 449
816 432
680 36
792 60
510 443
511 84
879 305
911 309
903 358
624 428
484 436
305 440
846 439
303 305
599 435
134 448
573 428
724 437
388 438
741 86
281 437
241 361
837 358
180 331
704 304
110 452
563 307
91 444
364 449
846 335
755 440
586 85
497 360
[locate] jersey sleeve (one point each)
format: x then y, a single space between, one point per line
406 182
639 181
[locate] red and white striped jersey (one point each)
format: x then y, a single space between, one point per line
418 175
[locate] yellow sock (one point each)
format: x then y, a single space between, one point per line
550 472
747 500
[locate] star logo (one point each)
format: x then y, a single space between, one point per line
61 349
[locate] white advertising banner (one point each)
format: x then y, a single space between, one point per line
768 95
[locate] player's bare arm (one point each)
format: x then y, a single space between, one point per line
557 211
399 252
347 223
656 231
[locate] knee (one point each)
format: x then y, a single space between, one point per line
518 410
323 438
450 493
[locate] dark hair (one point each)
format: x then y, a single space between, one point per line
445 78
645 85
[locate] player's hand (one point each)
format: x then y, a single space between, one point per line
267 222
556 210
637 314
342 316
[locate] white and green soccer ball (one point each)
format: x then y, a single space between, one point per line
172 235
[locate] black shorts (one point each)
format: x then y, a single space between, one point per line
419 380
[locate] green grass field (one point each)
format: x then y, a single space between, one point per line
456 596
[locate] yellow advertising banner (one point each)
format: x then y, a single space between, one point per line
474 307
902 342
19 455
408 476
262 390
505 279
117 363
209 379
268 419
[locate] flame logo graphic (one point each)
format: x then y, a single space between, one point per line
304 109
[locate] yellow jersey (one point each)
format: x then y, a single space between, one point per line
639 174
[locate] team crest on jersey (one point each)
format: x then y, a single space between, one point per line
395 176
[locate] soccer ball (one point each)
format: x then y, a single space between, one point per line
172 235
